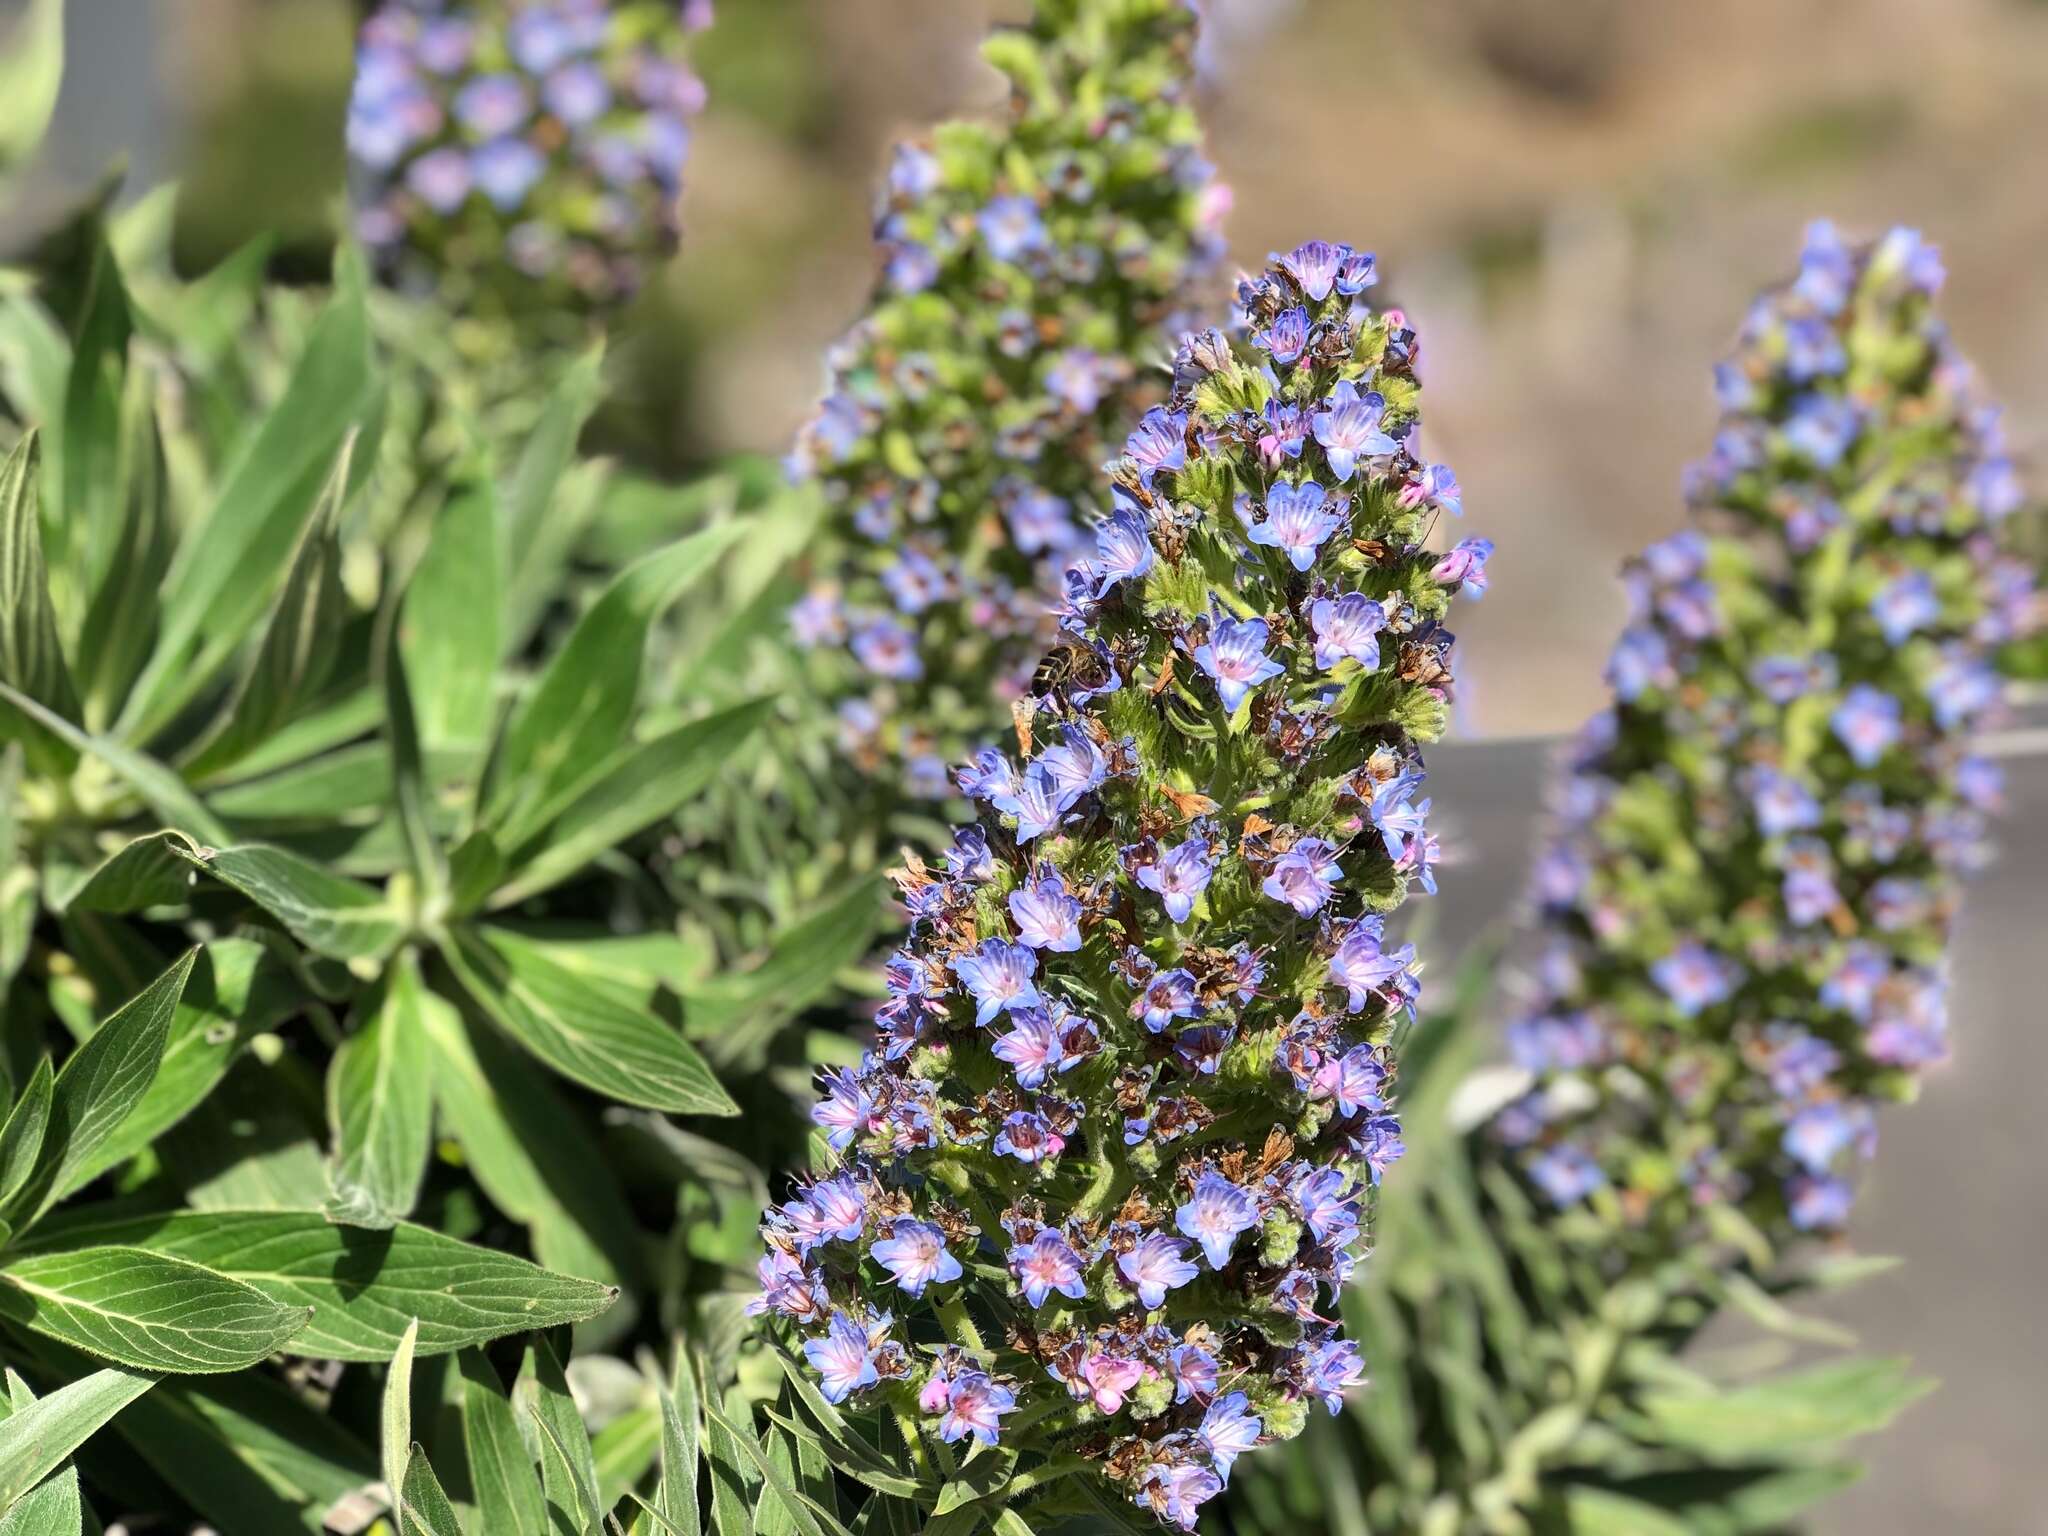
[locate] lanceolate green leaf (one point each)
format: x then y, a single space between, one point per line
301 644
31 658
568 727
101 1084
21 1138
1815 1408
733 1013
37 1439
529 510
568 1467
145 1310
449 630
87 492
585 1034
506 1488
427 1510
237 989
644 786
52 1507
151 871
380 1107
223 576
675 1496
154 784
410 785
329 913
361 1287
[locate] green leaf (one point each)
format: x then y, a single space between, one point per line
568 1467
151 871
567 729
1597 1512
121 621
101 1084
409 783
31 68
222 576
159 788
300 645
52 1507
20 886
809 1517
644 786
532 527
395 1422
37 1439
237 989
675 1495
448 631
1807 1409
145 1310
87 489
380 1107
31 658
21 1139
733 1014
427 1509
328 913
321 790
587 1036
361 1287
502 1479
732 1478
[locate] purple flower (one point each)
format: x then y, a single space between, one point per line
975 1406
1109 1378
1159 443
1011 228
1176 1491
1038 521
1305 876
1296 523
1905 604
1078 376
1827 268
1435 484
1353 1079
1396 815
1229 1429
1000 977
1034 1047
1170 996
1047 916
1348 427
831 1209
1817 1135
1313 265
1037 803
1194 1373
505 171
1695 978
1123 549
1348 625
440 178
1867 723
817 619
577 93
1361 966
1179 876
846 1108
1566 1173
1818 1204
915 1254
786 1287
1214 1216
1465 566
888 649
1782 803
1641 661
1235 656
1029 1137
1322 1194
844 1359
1822 429
1288 337
492 105
1046 1264
1331 1369
986 776
1074 768
1157 1264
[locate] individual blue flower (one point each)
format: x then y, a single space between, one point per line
1035 1047
440 178
888 649
1355 272
1011 228
986 776
1038 521
845 1110
1179 876
1028 1137
1171 995
1819 1204
1235 657
1362 965
1396 815
1046 1264
1465 566
1782 803
1347 625
1905 604
1818 1134
1348 427
1123 551
975 1406
1313 265
505 170
1298 522
577 93
1641 661
1822 428
1047 915
1812 350
1326 1204
1695 978
1305 876
1155 1265
1159 443
844 1359
1332 1369
493 105
1227 1431
999 975
915 1254
1566 1173
831 1210
1868 723
1287 337
1436 485
1175 1491
1214 1215
1037 803
1353 1080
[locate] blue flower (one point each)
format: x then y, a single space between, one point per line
1867 723
1305 876
1123 550
1029 1137
888 649
1348 427
1214 1215
1297 522
505 171
1465 566
1011 228
1287 338
975 1406
1347 625
915 1254
844 1359
1313 265
1695 978
1155 1265
1170 996
1905 604
1159 443
1235 657
999 975
1228 1430
1179 876
1047 916
1046 1264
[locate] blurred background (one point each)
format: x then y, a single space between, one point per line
1574 200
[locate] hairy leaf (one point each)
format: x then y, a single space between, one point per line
328 913
380 1107
38 1438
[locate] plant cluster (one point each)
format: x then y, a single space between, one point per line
1094 1189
